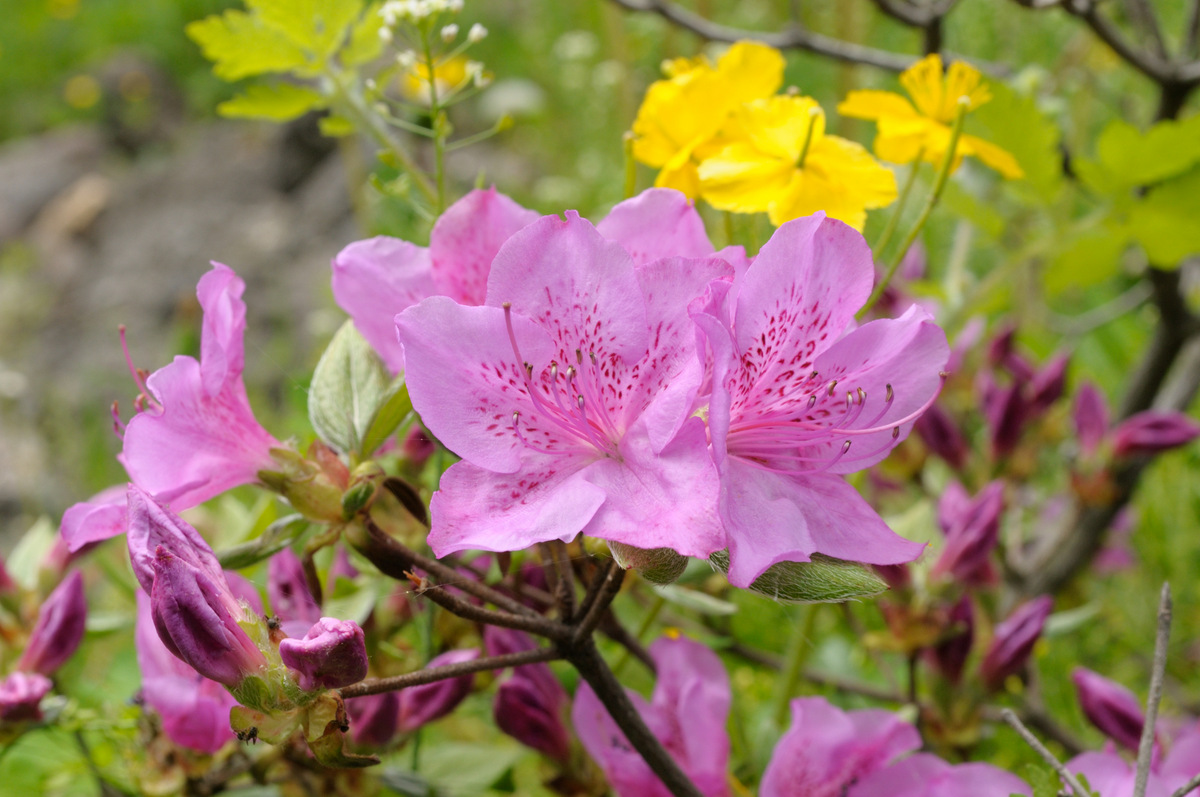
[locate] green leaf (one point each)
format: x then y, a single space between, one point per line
981 214
365 44
392 412
279 535
695 601
468 767
823 580
278 103
1014 122
349 386
1164 221
240 45
1044 781
318 26
1089 255
24 564
1136 158
335 126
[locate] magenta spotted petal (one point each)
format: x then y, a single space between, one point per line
568 396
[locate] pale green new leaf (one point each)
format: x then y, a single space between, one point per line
278 103
1014 122
823 580
1089 255
1164 221
1136 158
392 412
365 44
349 386
318 26
240 45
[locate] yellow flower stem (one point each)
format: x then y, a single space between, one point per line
630 166
813 113
438 121
793 664
938 186
905 191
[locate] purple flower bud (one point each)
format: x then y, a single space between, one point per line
418 447
950 656
523 712
59 628
193 619
341 568
428 702
1014 640
287 589
374 719
1152 432
1091 418
1110 707
331 655
972 532
152 525
20 695
942 436
501 641
1048 384
7 585
1006 413
896 576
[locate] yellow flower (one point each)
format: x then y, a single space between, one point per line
782 162
906 133
680 116
448 75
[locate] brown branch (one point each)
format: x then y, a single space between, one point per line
535 624
1142 15
558 570
377 686
611 627
1149 727
1187 788
1191 31
1011 718
1148 63
600 594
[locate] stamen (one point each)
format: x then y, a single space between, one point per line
832 387
118 425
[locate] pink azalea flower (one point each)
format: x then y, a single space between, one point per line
198 436
194 710
687 712
373 280
926 775
1110 775
826 749
801 395
100 517
569 396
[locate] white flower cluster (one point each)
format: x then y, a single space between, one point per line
394 11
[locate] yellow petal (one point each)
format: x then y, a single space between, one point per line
923 82
963 80
905 140
743 179
870 104
848 164
750 71
779 125
999 159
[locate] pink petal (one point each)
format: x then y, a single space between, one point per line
772 517
377 278
657 223
926 775
627 772
101 517
221 348
692 691
465 240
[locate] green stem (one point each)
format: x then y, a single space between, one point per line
905 191
793 664
438 117
630 167
813 114
938 186
647 620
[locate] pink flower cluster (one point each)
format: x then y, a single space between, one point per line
625 381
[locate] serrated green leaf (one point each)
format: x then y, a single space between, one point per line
1164 221
1014 122
318 26
1044 781
393 412
278 535
349 386
240 45
1136 158
1088 256
335 126
823 580
365 44
278 103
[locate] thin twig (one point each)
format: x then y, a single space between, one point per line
1146 746
1036 719
1148 63
1011 718
601 594
377 686
1186 788
535 624
1142 15
1191 33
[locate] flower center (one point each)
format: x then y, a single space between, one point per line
569 399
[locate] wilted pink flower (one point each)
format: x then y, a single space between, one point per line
687 712
194 619
331 655
287 590
1091 418
59 628
1110 707
425 703
1014 640
20 695
193 709
198 436
972 532
827 749
926 775
569 396
800 395
1152 432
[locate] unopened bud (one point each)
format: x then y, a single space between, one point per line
1153 432
950 655
20 695
331 655
523 712
425 703
1112 708
375 718
656 565
406 59
1091 418
972 531
942 436
1014 640
59 628
449 32
477 33
418 447
1048 384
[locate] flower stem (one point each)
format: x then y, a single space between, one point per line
438 119
938 186
647 621
793 664
905 191
813 114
